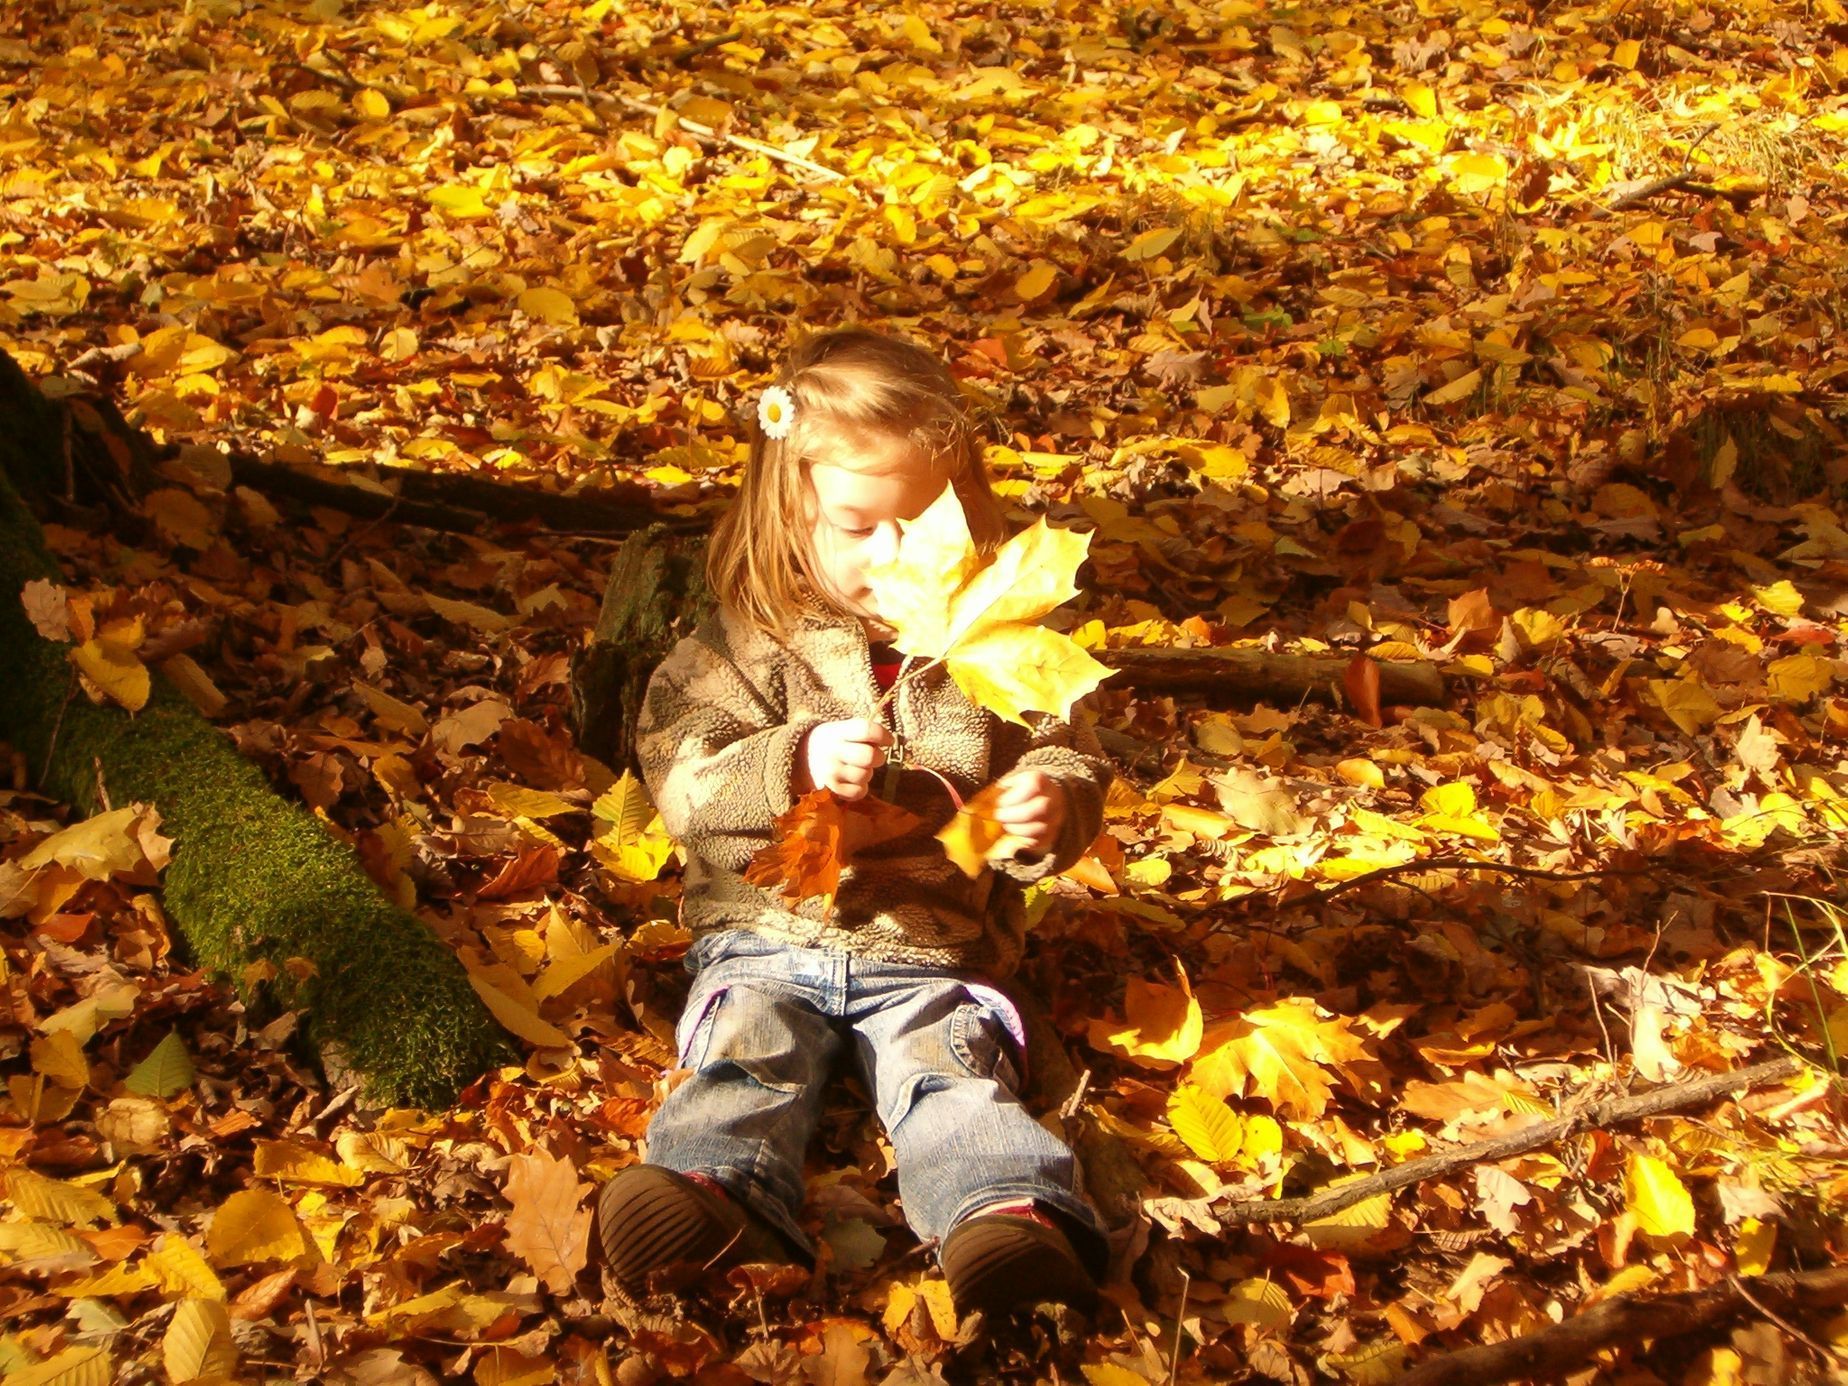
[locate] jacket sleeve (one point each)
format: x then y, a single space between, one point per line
1069 753
716 751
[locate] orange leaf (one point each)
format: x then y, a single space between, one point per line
815 839
547 1229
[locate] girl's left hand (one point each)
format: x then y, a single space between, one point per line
1032 807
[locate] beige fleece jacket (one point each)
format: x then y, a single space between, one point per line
718 737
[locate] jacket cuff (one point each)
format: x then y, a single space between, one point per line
1084 817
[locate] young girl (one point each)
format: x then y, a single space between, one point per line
780 693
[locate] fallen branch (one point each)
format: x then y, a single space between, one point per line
1421 864
1630 1319
554 91
1265 673
1668 182
1676 1097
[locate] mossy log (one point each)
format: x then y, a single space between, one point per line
254 879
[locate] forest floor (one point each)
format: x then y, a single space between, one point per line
1498 338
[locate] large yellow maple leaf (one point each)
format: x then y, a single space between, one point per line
946 604
1282 1053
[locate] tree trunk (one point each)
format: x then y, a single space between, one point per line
253 877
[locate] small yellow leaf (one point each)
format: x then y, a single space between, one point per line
974 837
53 1200
289 1163
1162 1026
1263 1302
1459 389
1656 1197
1799 677
182 1271
565 973
114 667
393 713
371 105
549 305
459 201
1753 1245
1036 281
179 515
1361 772
1151 243
254 1225
198 1342
78 1366
482 619
522 1020
1780 598
1205 1122
1351 1227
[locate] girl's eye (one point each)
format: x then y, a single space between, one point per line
858 533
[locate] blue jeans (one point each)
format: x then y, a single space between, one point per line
940 1052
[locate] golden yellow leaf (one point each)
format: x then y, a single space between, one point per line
1753 1245
1278 1053
1361 772
1799 677
1686 701
96 849
1205 1122
370 105
1263 1302
517 1017
78 1366
178 514
1013 669
54 1200
1151 243
1036 281
110 663
1656 1197
198 1342
1110 1374
459 201
251 1226
549 305
1161 1028
547 1229
59 1056
562 975
1351 1227
481 619
1459 389
290 1163
972 838
182 1271
630 842
394 713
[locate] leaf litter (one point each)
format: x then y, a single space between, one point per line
1335 334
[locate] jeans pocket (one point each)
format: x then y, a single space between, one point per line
986 1037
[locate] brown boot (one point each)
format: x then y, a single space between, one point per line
662 1230
1000 1262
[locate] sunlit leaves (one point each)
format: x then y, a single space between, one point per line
946 604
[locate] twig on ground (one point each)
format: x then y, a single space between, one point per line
1622 1319
1675 1097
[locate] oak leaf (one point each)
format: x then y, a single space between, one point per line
547 1229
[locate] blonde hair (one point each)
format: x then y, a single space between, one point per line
845 384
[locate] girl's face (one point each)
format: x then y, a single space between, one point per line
860 495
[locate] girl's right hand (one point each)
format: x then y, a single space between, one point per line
842 756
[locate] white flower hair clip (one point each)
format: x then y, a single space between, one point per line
776 412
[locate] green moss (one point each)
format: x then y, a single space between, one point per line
254 878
